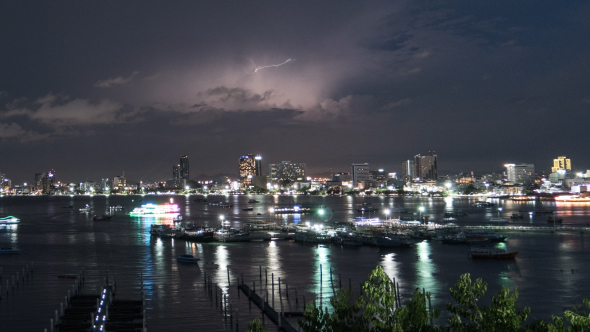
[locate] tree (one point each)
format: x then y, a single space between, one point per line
501 315
256 326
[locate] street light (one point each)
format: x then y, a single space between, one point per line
386 211
499 210
421 209
221 218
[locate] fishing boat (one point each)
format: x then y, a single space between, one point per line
516 216
491 253
186 258
253 201
9 220
261 224
197 234
247 209
9 250
231 235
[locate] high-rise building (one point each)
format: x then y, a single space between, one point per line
249 167
39 181
176 172
258 165
426 167
183 168
360 173
286 171
520 173
561 163
409 170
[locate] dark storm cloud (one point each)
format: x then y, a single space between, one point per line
480 83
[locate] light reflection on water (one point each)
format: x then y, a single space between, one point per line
61 241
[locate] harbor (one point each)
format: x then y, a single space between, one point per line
175 293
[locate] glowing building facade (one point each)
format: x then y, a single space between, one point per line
249 167
426 168
561 163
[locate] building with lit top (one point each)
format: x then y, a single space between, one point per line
561 163
249 167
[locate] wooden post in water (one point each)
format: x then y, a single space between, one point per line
286 289
260 267
205 278
399 298
254 286
340 280
272 280
51 325
296 298
266 276
228 276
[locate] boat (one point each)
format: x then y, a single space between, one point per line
464 238
9 250
116 207
186 258
231 235
391 240
311 236
484 204
491 253
247 209
197 234
104 217
261 224
252 201
86 209
164 231
516 216
9 220
155 210
554 220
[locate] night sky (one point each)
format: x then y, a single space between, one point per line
95 88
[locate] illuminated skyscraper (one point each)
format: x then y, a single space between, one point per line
258 165
561 163
183 170
426 167
247 169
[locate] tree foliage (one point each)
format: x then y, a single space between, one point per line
376 311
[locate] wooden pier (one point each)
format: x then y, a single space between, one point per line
272 314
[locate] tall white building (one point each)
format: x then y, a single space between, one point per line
520 173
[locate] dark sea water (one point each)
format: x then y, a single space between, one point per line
551 271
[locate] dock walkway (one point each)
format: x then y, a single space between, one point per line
272 314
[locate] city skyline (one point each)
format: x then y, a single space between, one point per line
90 91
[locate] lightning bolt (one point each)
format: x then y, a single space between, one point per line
257 68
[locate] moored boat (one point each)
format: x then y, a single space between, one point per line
491 253
231 235
186 258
